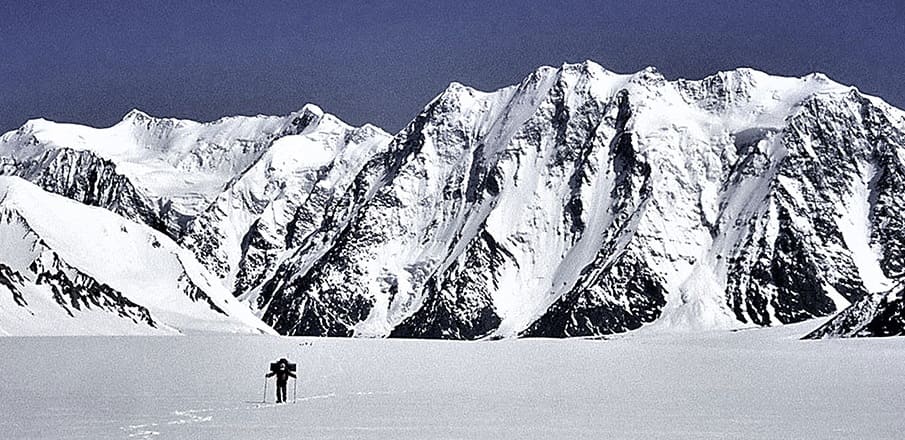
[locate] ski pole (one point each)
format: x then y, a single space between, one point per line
295 386
265 391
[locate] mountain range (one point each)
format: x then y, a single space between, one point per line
579 202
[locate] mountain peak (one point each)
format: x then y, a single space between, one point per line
647 76
585 68
456 87
494 212
311 109
308 116
452 97
136 115
819 77
36 123
743 71
586 65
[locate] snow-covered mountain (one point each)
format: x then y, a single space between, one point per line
161 172
584 202
284 196
68 268
229 190
878 314
578 202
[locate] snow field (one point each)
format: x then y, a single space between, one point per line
749 384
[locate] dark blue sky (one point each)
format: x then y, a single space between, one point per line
381 61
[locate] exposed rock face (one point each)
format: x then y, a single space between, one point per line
578 202
84 177
879 314
280 200
621 297
69 287
158 171
460 306
74 290
68 268
582 202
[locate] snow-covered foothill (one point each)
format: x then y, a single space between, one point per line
68 268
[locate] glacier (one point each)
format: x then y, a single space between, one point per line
756 384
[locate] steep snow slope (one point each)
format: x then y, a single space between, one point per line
67 268
578 202
584 202
240 192
158 171
262 213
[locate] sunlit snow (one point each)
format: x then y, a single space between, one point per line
751 384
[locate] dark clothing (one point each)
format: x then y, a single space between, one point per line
283 374
281 392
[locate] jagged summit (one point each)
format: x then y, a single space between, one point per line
455 92
577 202
311 109
139 117
164 171
585 67
136 115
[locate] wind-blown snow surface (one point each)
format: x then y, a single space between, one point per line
68 268
752 384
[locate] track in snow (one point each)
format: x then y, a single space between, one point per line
752 384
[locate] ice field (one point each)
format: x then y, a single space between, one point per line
749 384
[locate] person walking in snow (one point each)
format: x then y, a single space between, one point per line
283 370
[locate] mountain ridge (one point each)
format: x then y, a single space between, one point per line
579 202
57 267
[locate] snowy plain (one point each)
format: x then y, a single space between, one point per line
747 384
